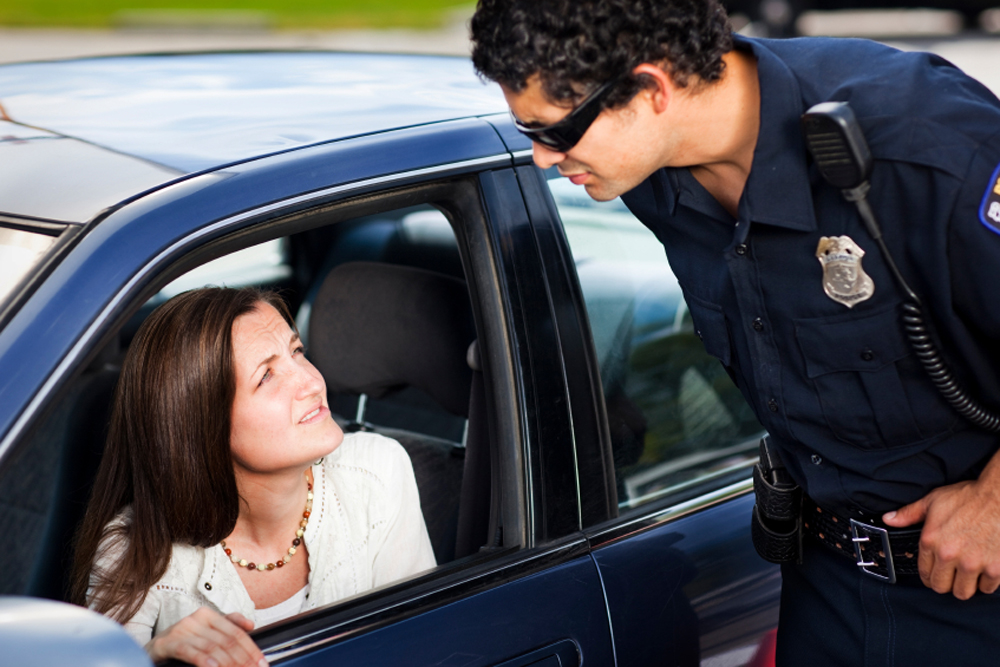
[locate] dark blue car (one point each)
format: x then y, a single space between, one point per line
583 465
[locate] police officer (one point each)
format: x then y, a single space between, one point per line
698 130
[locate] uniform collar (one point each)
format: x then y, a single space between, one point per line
778 190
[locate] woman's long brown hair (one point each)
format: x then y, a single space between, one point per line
167 454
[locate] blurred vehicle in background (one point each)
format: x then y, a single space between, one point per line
778 18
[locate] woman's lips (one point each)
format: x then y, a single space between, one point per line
316 415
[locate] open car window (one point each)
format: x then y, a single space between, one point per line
676 419
351 273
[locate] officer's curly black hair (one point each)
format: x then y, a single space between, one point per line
576 45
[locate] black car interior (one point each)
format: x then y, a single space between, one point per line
383 305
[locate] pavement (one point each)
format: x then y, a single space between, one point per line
976 52
27 44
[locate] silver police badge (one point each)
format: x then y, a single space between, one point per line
844 280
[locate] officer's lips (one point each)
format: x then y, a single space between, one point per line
577 179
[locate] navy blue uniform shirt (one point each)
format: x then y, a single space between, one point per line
860 425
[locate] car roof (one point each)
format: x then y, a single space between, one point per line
154 118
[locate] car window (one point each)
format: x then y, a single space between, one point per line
20 252
397 247
263 264
675 417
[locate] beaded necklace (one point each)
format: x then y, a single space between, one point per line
242 562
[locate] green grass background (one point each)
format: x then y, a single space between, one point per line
301 14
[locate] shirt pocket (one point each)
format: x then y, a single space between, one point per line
869 386
710 326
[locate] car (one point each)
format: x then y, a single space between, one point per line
584 466
777 18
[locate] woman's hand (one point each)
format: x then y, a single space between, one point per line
208 639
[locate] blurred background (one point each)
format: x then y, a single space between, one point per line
966 32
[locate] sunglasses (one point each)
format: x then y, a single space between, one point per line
565 134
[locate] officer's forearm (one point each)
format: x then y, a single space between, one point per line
990 476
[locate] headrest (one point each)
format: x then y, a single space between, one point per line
377 327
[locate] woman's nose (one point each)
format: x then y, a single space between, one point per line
310 381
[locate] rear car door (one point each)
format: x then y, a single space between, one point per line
668 437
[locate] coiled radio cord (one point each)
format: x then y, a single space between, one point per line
918 332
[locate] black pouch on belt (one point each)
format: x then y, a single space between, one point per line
777 515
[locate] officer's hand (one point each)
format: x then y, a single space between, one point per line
206 638
960 540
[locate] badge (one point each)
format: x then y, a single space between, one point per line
844 280
989 211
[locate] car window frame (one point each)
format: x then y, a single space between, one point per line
64 234
521 553
607 523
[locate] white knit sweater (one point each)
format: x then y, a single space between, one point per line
366 530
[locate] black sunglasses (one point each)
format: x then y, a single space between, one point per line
565 134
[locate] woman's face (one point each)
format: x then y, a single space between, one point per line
280 418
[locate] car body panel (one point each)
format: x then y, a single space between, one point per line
685 600
562 602
49 176
43 632
196 112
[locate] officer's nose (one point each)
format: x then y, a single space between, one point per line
545 157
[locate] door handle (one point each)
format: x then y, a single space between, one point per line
563 653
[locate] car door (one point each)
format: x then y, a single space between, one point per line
669 433
532 594
536 600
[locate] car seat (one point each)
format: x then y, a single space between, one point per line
378 328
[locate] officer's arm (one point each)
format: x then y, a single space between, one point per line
960 541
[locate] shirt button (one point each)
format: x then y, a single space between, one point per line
816 459
208 586
698 334
741 249
867 355
758 324
772 405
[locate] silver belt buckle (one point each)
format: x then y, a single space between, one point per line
862 533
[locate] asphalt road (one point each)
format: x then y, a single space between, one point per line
26 44
977 53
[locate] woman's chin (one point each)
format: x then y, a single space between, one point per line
334 440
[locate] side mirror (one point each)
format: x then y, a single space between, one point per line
44 632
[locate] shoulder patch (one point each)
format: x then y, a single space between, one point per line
989 211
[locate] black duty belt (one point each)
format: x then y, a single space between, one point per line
880 552
782 514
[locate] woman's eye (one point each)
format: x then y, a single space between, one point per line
267 376
299 350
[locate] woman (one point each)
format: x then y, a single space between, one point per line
228 498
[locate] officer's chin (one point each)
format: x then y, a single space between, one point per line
599 191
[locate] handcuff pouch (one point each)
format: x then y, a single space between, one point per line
776 526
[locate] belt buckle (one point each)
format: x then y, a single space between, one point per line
861 533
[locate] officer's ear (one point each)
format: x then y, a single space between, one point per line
658 86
